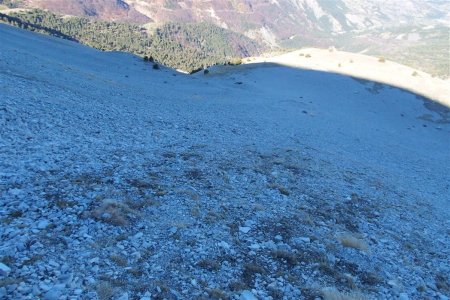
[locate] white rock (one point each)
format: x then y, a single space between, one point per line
249 223
78 292
4 270
15 192
403 296
36 291
224 245
244 229
42 224
94 260
393 283
269 245
138 235
123 297
301 239
247 295
148 294
443 297
52 295
255 246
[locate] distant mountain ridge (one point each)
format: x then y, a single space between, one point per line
272 21
412 32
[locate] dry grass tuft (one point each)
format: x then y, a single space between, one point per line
119 260
209 264
442 282
280 188
15 214
334 294
350 241
285 256
114 212
217 294
104 290
249 273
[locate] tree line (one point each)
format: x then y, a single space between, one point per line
187 46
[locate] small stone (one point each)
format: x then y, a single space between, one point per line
244 229
443 297
255 246
147 296
11 288
52 295
43 286
4 269
36 291
106 216
78 292
392 283
301 239
278 237
269 245
15 192
224 245
94 260
136 255
138 235
249 223
403 296
247 295
123 297
42 224
3 293
66 278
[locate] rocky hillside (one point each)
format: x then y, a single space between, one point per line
258 181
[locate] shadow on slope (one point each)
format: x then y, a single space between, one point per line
34 27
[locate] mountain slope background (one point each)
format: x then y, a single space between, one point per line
121 181
412 32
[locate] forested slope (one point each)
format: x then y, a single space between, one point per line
182 46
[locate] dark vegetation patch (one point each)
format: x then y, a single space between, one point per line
189 47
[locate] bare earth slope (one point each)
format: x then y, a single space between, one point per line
365 67
117 180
